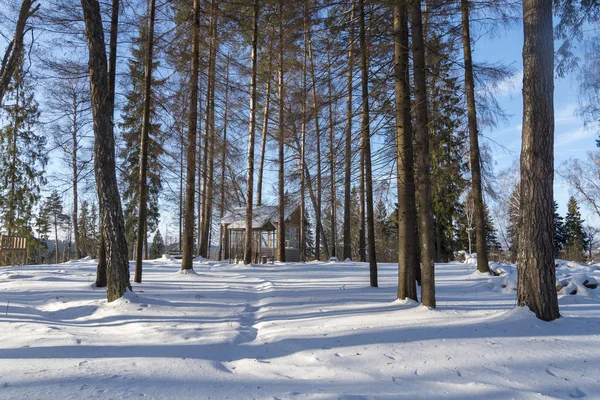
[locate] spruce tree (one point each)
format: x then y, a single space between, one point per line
131 127
575 239
559 231
22 156
53 209
158 246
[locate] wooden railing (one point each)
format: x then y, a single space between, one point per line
13 249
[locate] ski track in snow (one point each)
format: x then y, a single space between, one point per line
286 331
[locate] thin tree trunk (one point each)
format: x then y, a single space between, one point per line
366 147
303 140
318 145
348 153
222 231
263 142
281 171
56 257
482 258
143 184
408 262
251 133
75 178
537 275
210 141
180 219
104 155
190 190
423 162
333 194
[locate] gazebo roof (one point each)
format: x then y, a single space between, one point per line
263 217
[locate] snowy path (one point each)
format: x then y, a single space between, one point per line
301 331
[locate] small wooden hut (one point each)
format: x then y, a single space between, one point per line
264 233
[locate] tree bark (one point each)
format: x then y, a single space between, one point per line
332 189
13 51
537 275
251 133
318 146
190 189
408 262
263 142
75 179
112 77
143 184
366 146
281 171
222 231
303 139
210 140
348 149
482 259
423 162
104 155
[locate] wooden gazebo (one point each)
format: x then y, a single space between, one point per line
264 233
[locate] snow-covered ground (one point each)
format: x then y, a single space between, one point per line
300 331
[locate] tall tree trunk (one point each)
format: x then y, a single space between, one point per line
75 179
12 54
482 258
263 141
348 152
104 155
280 159
190 190
222 231
143 184
303 141
56 257
112 77
210 140
332 189
180 216
408 262
423 162
318 145
251 133
201 149
366 146
537 275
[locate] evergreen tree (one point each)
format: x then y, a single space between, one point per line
157 248
84 239
575 238
491 238
22 156
131 126
559 231
53 209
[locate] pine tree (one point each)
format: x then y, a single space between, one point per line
22 156
131 126
157 248
575 238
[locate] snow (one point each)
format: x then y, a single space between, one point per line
290 331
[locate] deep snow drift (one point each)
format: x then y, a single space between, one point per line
301 331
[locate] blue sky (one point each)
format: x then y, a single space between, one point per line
572 138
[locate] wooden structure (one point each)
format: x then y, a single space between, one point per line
13 249
264 233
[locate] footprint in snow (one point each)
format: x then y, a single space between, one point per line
576 393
